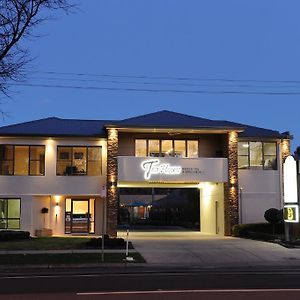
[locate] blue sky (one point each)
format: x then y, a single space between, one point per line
233 39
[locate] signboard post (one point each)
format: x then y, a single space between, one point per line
291 205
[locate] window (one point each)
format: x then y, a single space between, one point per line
94 161
257 155
78 160
10 210
180 148
140 148
22 160
166 148
153 148
270 159
7 159
192 149
37 160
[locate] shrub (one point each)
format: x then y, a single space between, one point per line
10 235
273 215
262 231
108 242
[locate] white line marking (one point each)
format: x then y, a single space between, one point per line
186 291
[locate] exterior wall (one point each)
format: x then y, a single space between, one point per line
50 184
260 190
37 192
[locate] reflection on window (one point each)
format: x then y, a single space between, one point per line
192 149
257 155
140 148
37 160
94 161
78 161
153 148
22 160
7 159
256 158
179 148
10 213
166 148
270 161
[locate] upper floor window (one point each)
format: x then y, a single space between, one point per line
166 148
79 160
22 160
257 155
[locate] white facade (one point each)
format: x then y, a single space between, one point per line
50 190
259 190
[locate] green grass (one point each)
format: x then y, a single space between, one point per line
72 258
47 243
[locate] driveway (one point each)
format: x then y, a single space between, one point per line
182 248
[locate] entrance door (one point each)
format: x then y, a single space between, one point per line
79 216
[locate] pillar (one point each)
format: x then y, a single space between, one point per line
231 199
112 179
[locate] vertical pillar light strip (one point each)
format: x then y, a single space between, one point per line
112 178
231 188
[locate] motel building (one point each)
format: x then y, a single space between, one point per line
162 168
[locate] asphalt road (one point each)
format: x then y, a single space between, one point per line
185 284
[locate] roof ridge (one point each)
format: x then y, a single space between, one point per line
168 111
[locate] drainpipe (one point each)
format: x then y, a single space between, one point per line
241 205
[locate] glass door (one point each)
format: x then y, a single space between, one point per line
79 216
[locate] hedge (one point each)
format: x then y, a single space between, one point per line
10 235
260 231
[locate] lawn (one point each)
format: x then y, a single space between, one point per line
47 243
72 258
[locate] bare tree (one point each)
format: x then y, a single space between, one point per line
18 18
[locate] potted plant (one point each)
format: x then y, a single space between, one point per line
44 232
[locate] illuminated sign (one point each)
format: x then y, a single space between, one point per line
291 213
290 180
154 167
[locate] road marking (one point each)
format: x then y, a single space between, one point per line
185 291
162 273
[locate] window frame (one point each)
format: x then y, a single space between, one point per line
86 163
7 219
160 146
29 158
263 155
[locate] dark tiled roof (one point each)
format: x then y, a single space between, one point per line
56 127
172 119
97 128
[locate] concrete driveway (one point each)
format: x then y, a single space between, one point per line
182 248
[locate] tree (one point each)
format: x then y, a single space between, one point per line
18 18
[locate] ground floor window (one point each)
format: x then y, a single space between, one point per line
80 216
10 211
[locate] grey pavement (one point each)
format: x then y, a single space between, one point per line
7 252
181 248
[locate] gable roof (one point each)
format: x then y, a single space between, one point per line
57 127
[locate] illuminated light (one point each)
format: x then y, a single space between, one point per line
246 145
291 213
154 167
290 180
